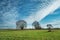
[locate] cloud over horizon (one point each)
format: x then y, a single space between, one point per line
14 10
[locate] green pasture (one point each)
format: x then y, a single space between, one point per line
29 35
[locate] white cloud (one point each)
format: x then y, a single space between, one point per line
9 18
39 15
55 24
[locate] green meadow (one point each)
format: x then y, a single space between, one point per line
29 35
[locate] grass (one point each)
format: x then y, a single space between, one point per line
29 35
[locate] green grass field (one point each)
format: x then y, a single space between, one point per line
29 35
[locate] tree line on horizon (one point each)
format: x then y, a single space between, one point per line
21 24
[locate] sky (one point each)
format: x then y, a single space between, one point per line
43 11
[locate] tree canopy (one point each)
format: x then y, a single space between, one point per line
21 24
36 25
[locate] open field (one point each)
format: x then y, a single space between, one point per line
29 35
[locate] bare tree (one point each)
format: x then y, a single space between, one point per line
49 27
21 24
36 25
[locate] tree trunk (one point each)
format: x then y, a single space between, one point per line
49 29
21 28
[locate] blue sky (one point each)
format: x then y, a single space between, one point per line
53 18
43 11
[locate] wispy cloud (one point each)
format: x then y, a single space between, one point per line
9 13
9 18
55 23
39 15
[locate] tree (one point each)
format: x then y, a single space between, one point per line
36 25
21 24
49 27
